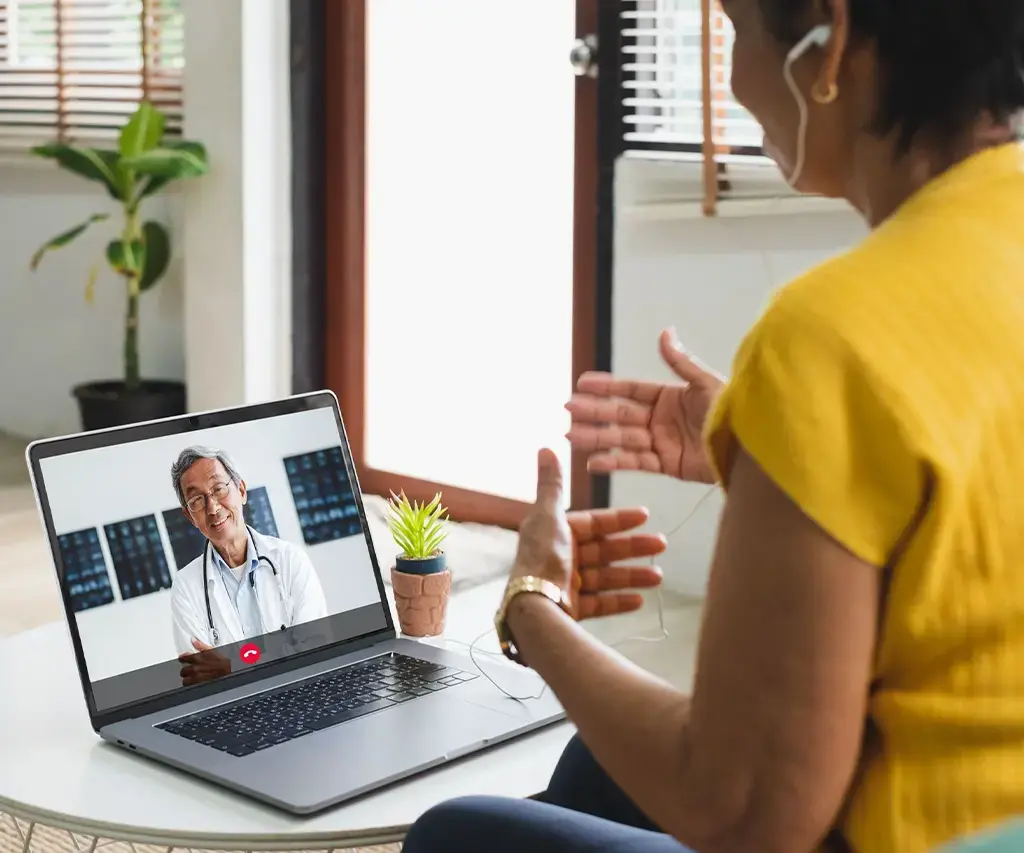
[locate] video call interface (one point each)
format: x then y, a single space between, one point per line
133 581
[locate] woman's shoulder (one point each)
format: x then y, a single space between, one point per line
812 400
857 312
839 292
826 319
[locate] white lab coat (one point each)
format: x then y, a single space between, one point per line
299 599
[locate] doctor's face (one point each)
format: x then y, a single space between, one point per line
213 503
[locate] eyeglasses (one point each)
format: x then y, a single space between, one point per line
197 503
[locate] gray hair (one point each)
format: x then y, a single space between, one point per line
190 455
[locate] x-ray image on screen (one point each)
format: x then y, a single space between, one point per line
85 569
323 495
137 552
258 512
186 541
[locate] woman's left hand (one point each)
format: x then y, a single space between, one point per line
584 552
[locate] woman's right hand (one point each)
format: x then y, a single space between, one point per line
645 426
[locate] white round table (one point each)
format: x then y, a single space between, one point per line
56 772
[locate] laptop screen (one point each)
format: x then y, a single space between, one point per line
202 553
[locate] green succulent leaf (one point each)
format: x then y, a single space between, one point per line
156 256
63 239
418 529
127 260
93 164
143 131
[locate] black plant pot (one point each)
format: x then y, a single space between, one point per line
109 404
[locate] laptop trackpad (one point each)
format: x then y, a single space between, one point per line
379 747
434 726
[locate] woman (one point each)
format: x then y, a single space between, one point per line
860 676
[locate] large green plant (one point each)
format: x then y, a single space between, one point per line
142 165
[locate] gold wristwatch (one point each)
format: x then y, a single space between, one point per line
518 586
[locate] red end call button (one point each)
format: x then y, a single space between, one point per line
249 653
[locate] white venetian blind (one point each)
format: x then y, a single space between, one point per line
74 70
676 58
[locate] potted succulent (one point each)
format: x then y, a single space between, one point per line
420 577
142 165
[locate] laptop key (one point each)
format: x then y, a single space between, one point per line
436 675
345 716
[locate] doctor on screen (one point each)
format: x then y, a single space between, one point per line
243 584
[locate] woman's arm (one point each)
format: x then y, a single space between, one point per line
761 758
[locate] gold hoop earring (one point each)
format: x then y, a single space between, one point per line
828 97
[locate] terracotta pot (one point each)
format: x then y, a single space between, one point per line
421 601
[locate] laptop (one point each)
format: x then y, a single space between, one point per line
258 710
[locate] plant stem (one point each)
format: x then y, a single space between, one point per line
131 338
132 379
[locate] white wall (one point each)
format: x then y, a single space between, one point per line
98 487
50 338
238 217
710 278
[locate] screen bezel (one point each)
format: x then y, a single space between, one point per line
181 425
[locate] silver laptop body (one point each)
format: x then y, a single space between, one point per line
333 708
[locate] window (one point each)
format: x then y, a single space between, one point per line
677 104
74 70
453 354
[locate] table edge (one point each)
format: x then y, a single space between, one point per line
204 841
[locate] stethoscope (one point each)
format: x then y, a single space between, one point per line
260 558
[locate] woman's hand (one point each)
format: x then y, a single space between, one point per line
646 426
582 551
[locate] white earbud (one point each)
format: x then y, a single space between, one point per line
817 37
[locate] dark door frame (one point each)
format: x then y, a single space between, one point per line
309 268
309 128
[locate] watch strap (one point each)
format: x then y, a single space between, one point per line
519 586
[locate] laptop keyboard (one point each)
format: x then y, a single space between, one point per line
314 704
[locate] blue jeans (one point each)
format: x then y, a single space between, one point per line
581 811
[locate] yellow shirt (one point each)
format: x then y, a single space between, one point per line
884 391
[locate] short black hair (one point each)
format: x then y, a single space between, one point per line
943 63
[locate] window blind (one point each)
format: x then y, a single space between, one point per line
677 104
75 70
